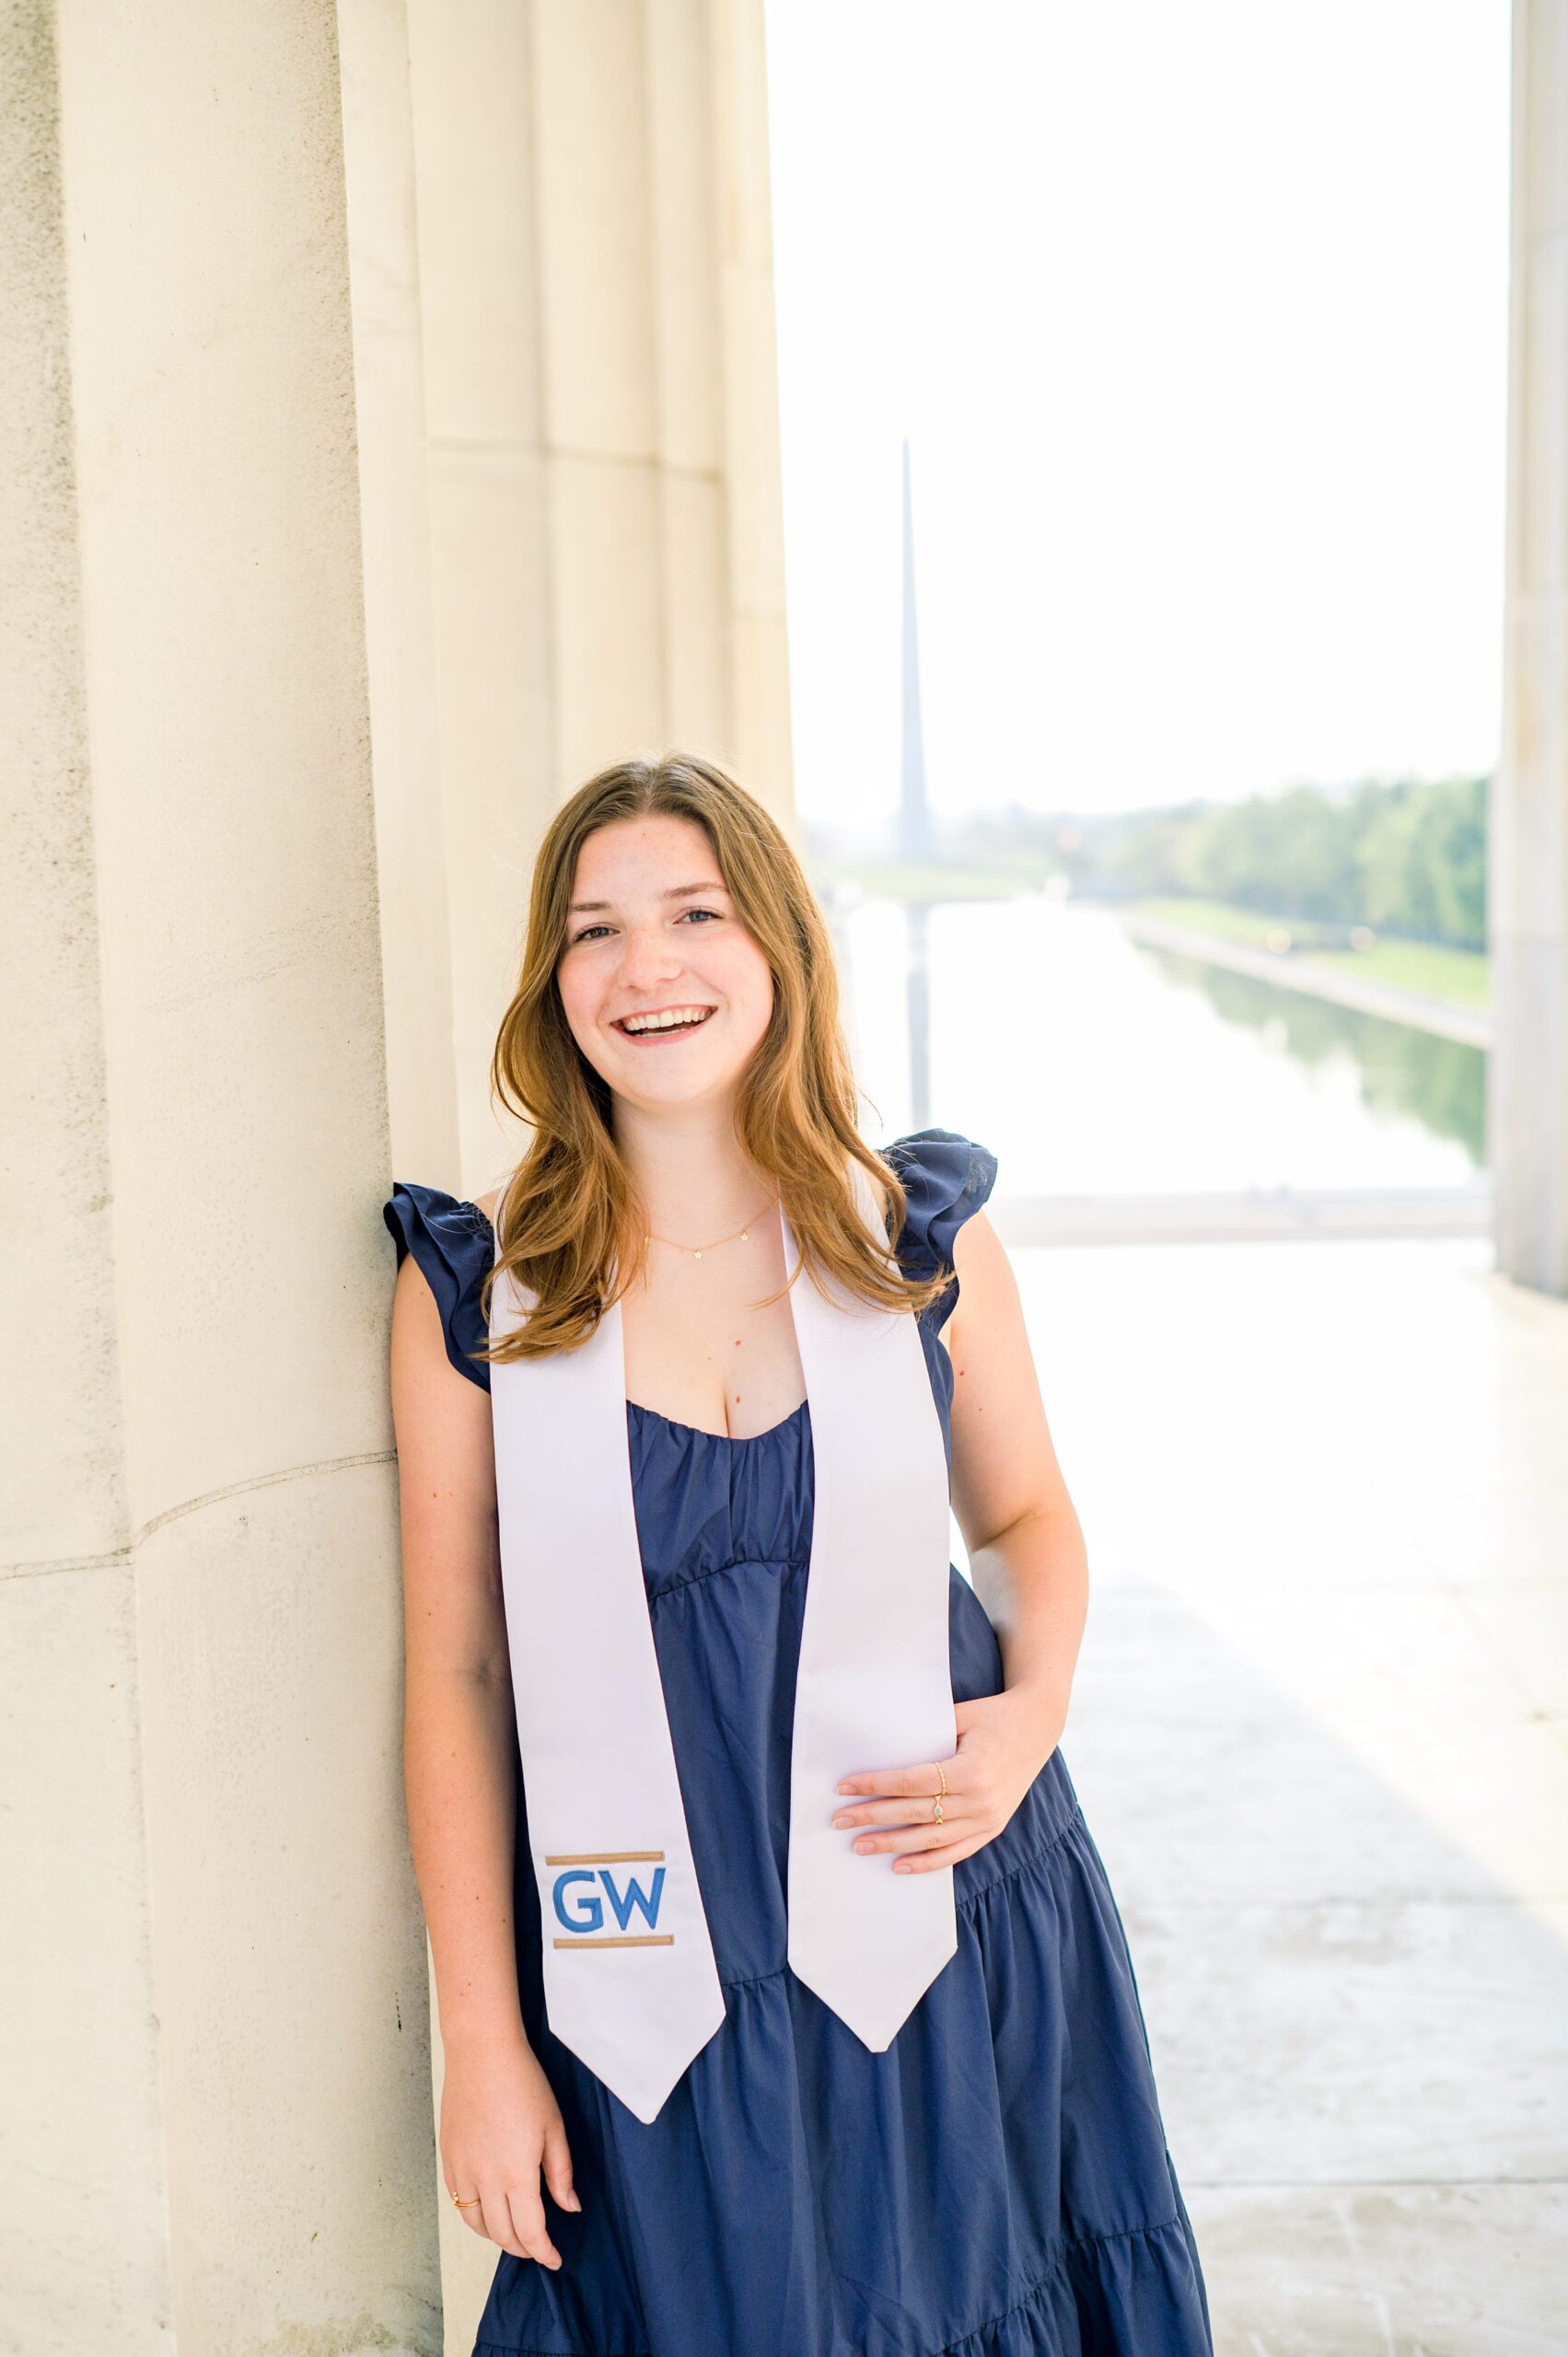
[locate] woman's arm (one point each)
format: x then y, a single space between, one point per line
1025 1548
500 2121
457 1690
1028 1565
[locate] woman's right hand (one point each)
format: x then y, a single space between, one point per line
500 2126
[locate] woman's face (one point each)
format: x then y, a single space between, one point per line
651 930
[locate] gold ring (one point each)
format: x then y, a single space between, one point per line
936 1808
468 2203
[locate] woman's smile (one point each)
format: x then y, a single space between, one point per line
674 1022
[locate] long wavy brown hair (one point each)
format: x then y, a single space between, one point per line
569 1212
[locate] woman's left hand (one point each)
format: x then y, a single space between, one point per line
1003 1742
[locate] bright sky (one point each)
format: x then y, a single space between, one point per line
1196 318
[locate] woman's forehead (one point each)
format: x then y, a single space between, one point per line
659 852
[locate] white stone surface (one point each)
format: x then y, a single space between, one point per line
1528 881
1317 1732
394 506
217 2108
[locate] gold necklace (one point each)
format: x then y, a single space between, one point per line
697 1250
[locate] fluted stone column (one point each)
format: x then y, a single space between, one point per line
391 439
216 2130
394 501
1529 1094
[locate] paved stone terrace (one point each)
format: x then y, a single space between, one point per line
1321 1734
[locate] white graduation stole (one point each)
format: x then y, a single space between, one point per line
630 1981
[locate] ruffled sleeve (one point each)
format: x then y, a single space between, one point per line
452 1243
946 1177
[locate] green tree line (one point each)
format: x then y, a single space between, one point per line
1406 857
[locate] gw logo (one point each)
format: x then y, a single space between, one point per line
582 1911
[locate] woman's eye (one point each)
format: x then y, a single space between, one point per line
589 930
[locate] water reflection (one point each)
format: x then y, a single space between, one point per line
1440 1082
1092 1064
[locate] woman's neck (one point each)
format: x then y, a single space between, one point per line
695 1179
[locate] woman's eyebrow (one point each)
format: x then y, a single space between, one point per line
676 892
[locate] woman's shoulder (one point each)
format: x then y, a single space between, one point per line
946 1177
451 1240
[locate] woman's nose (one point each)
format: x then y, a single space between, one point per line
646 956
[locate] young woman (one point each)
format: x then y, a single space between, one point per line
958 2150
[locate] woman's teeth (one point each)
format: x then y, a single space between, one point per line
641 1028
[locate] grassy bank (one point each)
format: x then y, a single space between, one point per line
1460 976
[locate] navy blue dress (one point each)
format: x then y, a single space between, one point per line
996 2183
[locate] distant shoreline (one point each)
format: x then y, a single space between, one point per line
1348 978
1315 976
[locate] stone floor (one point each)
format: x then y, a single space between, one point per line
1320 1732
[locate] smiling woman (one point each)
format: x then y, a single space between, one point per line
623 969
785 2006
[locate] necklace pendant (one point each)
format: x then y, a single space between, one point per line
696 1256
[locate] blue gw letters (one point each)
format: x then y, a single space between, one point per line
588 1908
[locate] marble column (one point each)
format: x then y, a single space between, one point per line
216 2131
1528 1084
391 439
394 501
